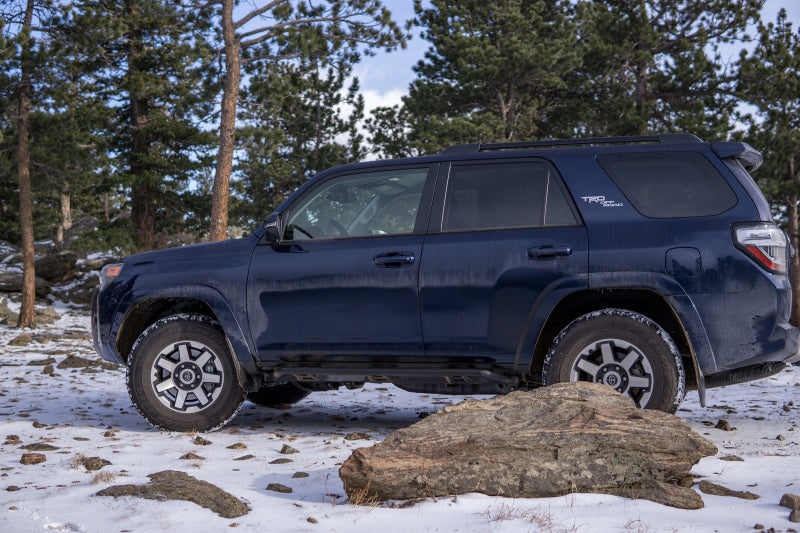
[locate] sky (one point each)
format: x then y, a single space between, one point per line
385 77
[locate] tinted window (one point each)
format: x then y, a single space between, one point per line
505 195
667 185
359 205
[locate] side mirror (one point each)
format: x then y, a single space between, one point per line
272 228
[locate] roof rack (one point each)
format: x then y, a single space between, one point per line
668 138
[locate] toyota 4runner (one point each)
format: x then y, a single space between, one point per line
650 264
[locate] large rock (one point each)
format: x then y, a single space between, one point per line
12 282
572 437
56 267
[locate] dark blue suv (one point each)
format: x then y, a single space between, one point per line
650 264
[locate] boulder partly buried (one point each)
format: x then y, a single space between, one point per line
565 438
173 485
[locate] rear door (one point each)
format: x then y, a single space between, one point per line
503 235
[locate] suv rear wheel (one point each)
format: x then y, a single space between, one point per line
624 350
181 376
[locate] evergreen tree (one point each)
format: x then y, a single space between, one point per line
654 66
769 80
299 120
147 60
495 71
279 30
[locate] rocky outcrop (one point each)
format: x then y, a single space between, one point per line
572 437
57 267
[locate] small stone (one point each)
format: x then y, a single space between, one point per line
311 520
12 488
21 340
281 461
200 441
286 449
48 370
93 463
32 458
277 487
792 501
42 362
786 408
299 475
237 446
794 516
723 425
12 440
39 425
780 437
80 439
191 456
707 487
758 526
110 433
731 458
245 457
357 436
39 447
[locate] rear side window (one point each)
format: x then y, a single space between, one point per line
670 185
505 195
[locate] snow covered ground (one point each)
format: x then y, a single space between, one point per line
85 412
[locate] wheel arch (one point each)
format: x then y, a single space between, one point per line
148 308
642 301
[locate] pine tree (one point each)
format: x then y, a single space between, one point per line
653 66
769 80
495 71
280 30
299 120
147 60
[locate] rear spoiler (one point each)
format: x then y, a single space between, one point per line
748 156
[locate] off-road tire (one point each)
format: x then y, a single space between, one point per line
181 376
623 349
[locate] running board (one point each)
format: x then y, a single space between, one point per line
406 378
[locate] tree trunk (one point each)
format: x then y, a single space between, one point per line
27 312
143 209
794 239
65 220
227 127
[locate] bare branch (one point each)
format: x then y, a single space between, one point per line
256 12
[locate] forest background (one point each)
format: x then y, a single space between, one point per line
160 118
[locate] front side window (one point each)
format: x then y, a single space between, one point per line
670 185
360 205
515 194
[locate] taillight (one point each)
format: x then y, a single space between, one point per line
765 243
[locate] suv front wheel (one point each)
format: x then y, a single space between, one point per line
624 350
181 376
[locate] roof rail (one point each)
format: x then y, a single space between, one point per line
667 138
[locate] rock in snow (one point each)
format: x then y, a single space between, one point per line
573 437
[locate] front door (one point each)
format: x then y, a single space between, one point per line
342 283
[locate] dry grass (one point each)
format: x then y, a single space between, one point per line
363 497
105 476
543 520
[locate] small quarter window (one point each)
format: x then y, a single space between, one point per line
515 194
670 185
